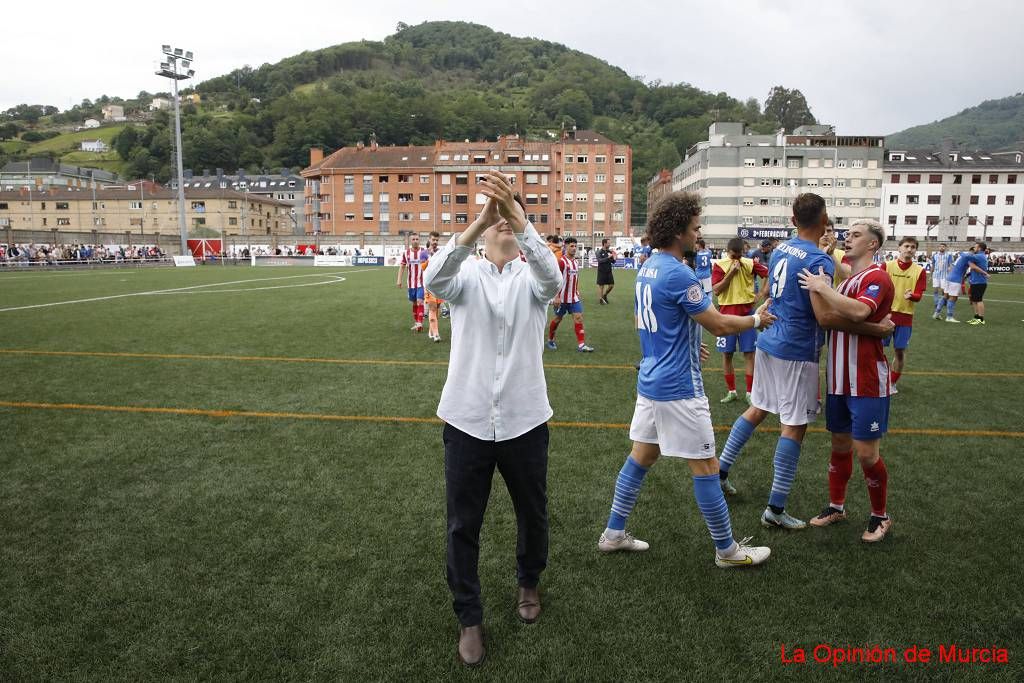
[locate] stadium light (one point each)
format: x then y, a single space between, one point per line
169 69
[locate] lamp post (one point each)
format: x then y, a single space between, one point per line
169 69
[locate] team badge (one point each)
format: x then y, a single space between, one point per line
873 291
695 294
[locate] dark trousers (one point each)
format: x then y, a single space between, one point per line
468 469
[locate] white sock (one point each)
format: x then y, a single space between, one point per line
838 506
614 534
732 550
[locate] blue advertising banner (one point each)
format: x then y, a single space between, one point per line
367 260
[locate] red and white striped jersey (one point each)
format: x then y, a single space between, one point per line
570 292
414 260
856 364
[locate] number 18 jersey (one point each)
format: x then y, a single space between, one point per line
667 295
795 335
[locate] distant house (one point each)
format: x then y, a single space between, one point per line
94 146
91 123
194 98
113 112
159 103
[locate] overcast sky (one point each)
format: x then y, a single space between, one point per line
867 66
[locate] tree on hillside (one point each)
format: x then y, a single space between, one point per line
788 107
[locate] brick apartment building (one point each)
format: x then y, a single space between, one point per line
579 185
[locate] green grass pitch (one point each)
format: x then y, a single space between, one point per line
213 546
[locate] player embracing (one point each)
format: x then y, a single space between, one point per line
414 258
857 376
909 282
569 299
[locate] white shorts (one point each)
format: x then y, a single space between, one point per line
787 388
953 288
705 282
682 428
938 284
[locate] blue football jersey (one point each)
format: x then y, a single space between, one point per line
795 335
941 263
974 277
959 267
667 295
702 263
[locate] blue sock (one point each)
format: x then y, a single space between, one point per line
712 505
627 488
741 431
787 453
937 299
950 308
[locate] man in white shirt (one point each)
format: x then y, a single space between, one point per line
494 403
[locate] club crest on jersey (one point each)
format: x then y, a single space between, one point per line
695 294
873 291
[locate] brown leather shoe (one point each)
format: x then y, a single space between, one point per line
471 650
528 608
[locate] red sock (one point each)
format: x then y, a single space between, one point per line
579 333
415 312
750 383
839 470
730 381
419 313
552 327
877 478
896 376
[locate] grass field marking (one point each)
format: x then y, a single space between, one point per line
1004 301
376 361
188 290
329 417
15 275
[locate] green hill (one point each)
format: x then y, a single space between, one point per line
992 125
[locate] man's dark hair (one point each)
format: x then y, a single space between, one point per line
569 240
554 239
909 239
830 223
701 243
435 233
604 241
981 246
735 244
671 217
807 209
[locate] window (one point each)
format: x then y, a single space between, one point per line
894 178
812 182
424 216
991 199
894 199
958 179
446 218
600 159
931 220
841 182
869 202
748 201
766 182
910 220
424 179
63 221
826 182
461 218
934 199
914 178
600 178
581 196
232 220
63 206
792 163
424 197
618 160
913 199
404 178
840 202
513 158
581 159
567 216
1011 179
1007 220
748 163
232 204
989 220
974 199
748 220
619 179
841 163
382 179
405 217
446 199
581 216
462 179
976 178
404 197
569 196
462 199
854 202
532 178
1009 200
384 197
3 205
954 220
531 199
446 179
858 163
971 220
477 159
993 179
955 199
197 206
763 202
582 178
935 178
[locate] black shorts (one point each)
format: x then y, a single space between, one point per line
604 276
978 292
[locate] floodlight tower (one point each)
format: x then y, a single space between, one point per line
169 69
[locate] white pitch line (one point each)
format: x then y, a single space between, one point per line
181 290
1003 301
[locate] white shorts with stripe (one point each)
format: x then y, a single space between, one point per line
953 288
787 388
681 428
938 283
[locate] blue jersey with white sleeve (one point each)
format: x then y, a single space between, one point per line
796 334
667 295
702 263
973 276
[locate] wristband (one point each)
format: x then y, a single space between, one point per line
757 321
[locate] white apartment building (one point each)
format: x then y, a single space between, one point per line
748 181
954 196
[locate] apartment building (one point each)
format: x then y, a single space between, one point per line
141 208
951 195
748 181
578 185
43 173
284 186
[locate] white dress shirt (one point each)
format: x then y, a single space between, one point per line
495 389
